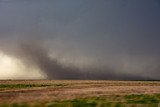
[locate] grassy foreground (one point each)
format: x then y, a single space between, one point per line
141 100
79 94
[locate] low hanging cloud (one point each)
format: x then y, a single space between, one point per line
90 39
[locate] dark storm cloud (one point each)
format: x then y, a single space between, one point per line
84 39
38 56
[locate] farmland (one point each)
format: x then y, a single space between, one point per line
79 93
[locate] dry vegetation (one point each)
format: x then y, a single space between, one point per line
70 93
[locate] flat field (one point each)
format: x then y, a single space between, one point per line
79 93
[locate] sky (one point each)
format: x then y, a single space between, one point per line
80 39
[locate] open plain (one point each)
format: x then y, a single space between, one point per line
79 93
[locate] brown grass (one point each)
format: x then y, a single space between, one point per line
66 90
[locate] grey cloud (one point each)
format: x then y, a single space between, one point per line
121 38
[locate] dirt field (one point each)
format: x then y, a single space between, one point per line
45 91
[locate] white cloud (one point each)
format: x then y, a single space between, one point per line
12 68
